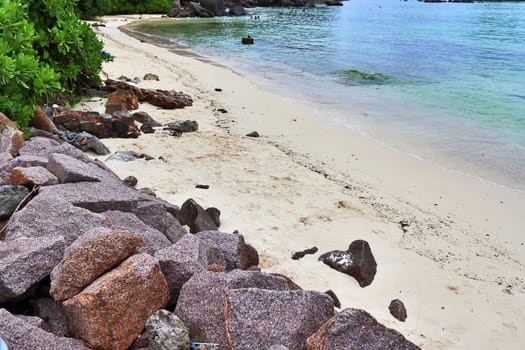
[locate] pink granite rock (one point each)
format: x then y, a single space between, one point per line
50 216
20 335
91 255
284 317
238 254
51 311
202 300
68 169
111 312
32 176
38 146
356 329
181 261
26 262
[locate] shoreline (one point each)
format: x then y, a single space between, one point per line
303 184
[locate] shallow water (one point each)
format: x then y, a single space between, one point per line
445 82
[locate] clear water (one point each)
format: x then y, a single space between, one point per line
443 81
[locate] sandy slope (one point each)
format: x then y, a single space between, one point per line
458 268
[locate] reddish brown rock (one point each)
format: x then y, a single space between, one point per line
26 262
356 329
237 254
121 100
5 121
11 141
112 312
202 300
284 317
181 261
20 335
91 255
41 121
32 176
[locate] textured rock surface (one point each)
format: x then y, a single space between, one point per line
181 261
38 146
167 332
112 311
89 257
20 335
95 196
11 141
154 214
47 216
202 300
358 262
356 329
193 215
284 317
49 310
32 176
237 253
26 262
153 239
398 310
68 169
10 198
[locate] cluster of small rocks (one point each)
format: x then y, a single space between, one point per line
88 262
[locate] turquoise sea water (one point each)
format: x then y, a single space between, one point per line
445 82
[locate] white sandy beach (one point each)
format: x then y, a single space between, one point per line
303 183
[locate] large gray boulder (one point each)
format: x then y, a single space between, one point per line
357 329
20 335
69 169
237 254
284 317
50 216
26 262
201 302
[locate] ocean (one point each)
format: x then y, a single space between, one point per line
443 82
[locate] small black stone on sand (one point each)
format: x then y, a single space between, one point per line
204 187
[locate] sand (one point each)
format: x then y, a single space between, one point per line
459 266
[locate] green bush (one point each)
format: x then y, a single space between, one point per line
89 9
45 50
141 6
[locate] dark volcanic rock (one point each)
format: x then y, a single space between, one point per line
253 134
181 261
145 118
398 310
48 216
10 198
356 329
147 129
26 262
193 215
237 254
20 335
357 262
202 301
301 254
284 317
91 255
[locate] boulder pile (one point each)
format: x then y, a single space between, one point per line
89 262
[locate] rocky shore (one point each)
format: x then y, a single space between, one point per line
87 261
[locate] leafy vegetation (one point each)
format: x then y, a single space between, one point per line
45 51
93 8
